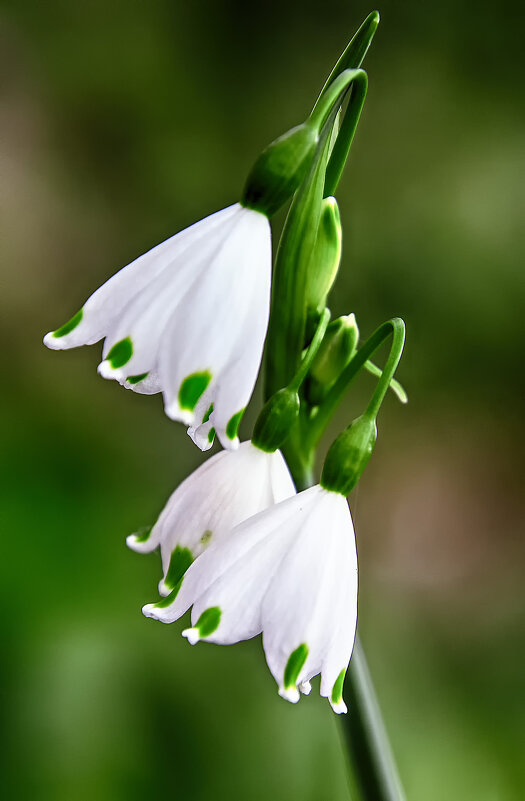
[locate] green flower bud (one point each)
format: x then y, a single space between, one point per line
337 348
280 169
326 255
277 417
349 455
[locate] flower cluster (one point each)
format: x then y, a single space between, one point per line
189 319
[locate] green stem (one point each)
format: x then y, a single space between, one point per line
374 775
311 353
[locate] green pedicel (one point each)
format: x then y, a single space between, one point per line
337 690
192 388
69 326
181 559
120 353
294 666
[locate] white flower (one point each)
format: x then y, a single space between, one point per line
289 572
187 319
224 491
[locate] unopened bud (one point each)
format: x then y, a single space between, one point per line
337 348
326 255
280 169
349 455
276 419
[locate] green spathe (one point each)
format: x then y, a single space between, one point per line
180 560
69 326
277 417
294 666
120 353
192 388
279 170
349 455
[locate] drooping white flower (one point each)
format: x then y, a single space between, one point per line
187 319
289 572
227 489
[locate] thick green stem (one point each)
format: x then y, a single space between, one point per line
374 775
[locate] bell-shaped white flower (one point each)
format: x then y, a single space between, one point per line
187 319
227 489
289 572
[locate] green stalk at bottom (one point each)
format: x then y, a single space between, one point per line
373 772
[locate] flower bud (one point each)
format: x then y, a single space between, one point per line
349 455
276 419
337 348
326 255
280 169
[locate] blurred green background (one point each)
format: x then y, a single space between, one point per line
123 122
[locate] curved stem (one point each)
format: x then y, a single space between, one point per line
334 95
398 341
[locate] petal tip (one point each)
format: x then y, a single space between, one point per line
290 694
192 635
339 708
106 371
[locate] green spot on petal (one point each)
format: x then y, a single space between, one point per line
295 665
337 691
142 535
209 621
192 388
206 537
211 435
69 326
181 559
233 424
134 379
120 353
164 602
208 413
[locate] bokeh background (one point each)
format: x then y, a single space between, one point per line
123 122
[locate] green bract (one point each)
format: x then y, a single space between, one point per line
349 455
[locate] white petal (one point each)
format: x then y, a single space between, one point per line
107 303
207 334
147 316
340 649
234 559
304 597
226 490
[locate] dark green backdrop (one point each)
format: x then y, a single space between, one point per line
123 122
